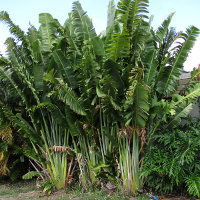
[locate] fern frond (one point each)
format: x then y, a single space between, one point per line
120 46
193 185
129 12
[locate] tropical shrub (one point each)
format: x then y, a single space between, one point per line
171 162
105 91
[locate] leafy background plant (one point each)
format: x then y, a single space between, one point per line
171 162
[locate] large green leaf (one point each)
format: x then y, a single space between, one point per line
37 51
74 130
48 31
138 106
122 12
54 110
21 124
30 175
4 62
15 30
83 27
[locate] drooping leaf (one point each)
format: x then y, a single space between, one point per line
193 184
180 115
191 96
99 92
115 105
68 96
30 175
54 110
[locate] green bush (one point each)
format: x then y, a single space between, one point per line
173 159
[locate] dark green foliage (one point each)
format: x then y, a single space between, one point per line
172 160
13 152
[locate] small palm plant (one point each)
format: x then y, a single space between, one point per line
57 151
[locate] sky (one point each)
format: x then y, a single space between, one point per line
25 12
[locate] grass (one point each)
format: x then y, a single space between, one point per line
14 190
27 190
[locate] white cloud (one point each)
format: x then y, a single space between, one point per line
194 57
100 25
3 36
2 49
